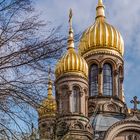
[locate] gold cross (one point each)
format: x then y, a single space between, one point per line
70 17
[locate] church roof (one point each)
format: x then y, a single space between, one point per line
101 36
102 122
47 107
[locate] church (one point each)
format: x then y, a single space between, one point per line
89 102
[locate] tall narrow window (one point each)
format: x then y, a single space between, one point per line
107 80
93 80
75 100
64 100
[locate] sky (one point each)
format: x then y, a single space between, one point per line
122 14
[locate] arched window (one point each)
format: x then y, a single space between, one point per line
93 80
63 102
75 100
107 79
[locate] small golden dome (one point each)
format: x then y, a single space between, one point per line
71 61
48 105
101 35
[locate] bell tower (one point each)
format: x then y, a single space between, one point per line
102 47
72 94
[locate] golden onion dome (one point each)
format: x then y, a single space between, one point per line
101 35
71 62
47 107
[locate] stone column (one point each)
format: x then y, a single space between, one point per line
86 106
100 82
81 103
121 88
69 100
115 83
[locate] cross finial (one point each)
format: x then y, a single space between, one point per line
70 38
135 102
70 17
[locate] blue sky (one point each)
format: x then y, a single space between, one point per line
122 14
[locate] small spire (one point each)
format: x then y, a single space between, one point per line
50 84
70 38
49 72
100 10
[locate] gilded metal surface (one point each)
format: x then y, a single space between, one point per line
101 35
48 105
71 61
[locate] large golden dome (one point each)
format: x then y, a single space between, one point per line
47 107
101 36
71 62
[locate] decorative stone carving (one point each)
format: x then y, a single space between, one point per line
62 129
78 126
100 57
81 93
110 107
116 72
91 109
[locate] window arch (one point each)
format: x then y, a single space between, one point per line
93 80
75 100
107 79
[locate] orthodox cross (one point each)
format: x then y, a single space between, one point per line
135 102
70 17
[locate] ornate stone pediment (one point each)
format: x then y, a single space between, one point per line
123 128
110 107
